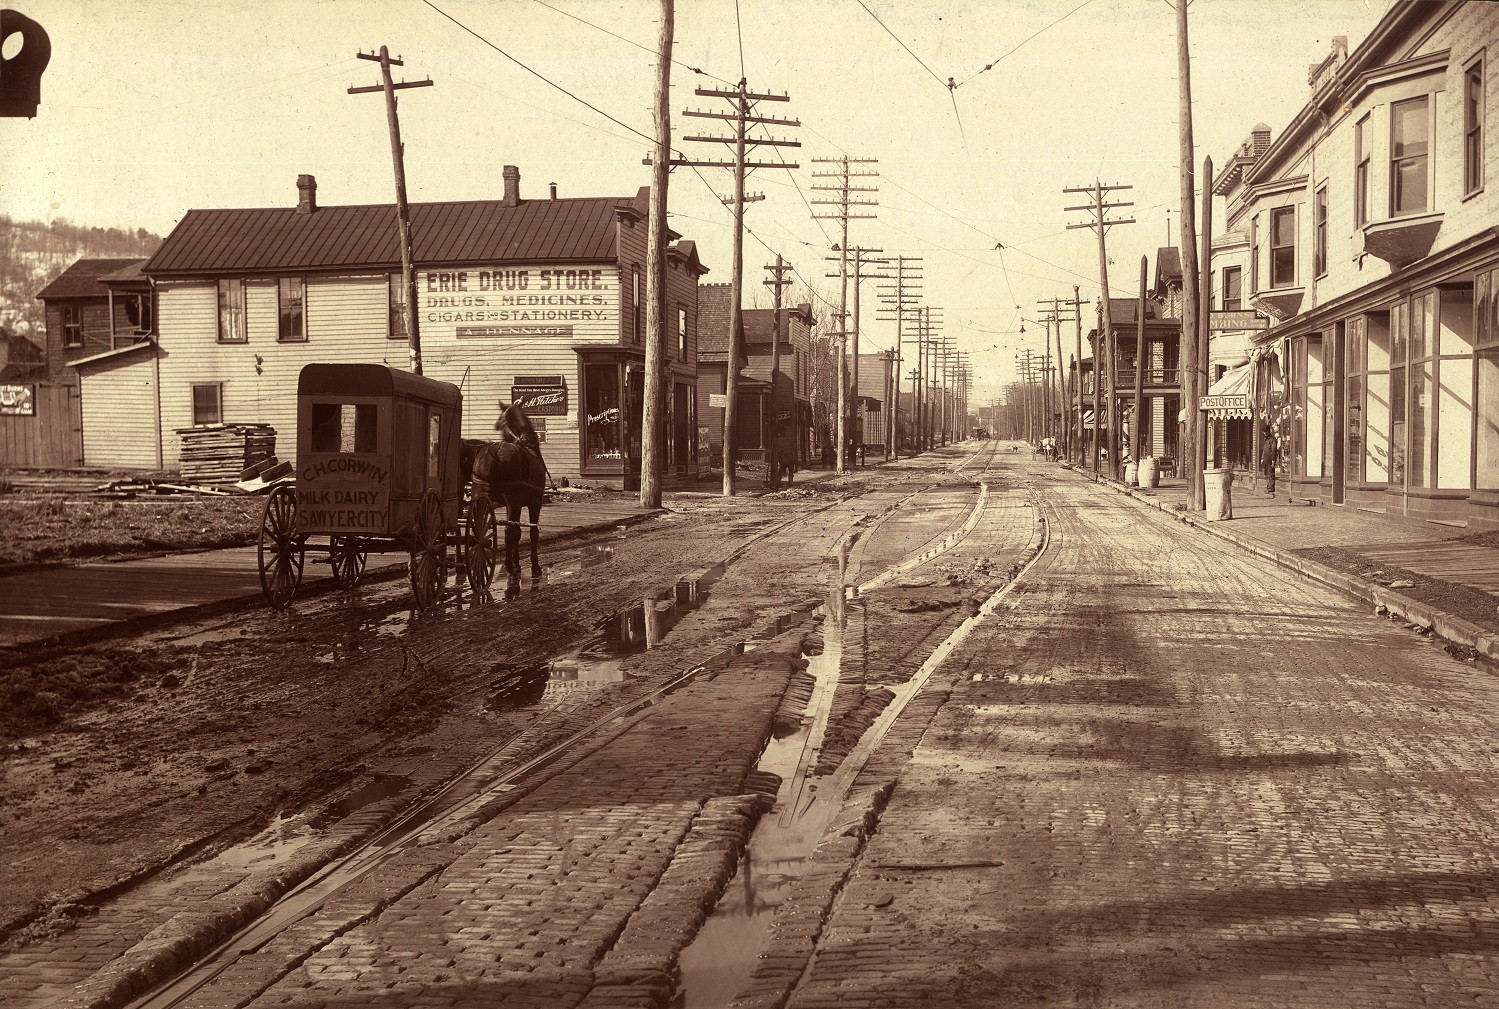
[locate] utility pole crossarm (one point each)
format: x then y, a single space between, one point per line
729 116
738 95
409 313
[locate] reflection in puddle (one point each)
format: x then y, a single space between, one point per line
600 659
716 966
382 786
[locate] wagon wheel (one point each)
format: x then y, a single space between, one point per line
280 550
428 550
482 545
347 555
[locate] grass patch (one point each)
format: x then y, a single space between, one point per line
55 528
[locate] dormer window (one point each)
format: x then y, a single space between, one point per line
1410 123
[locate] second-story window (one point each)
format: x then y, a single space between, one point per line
138 312
291 296
682 332
1283 247
72 325
1319 232
232 310
1361 173
635 306
1233 282
395 302
1409 122
1473 128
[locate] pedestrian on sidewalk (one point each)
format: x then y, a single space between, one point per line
1269 457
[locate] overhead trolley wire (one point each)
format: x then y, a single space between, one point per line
898 42
991 64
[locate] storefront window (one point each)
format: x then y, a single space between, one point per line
1376 399
1454 406
1399 333
1353 422
602 439
1423 385
1315 391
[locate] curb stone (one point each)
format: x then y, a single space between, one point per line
1445 625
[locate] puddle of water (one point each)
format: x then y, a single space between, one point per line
274 844
716 965
599 661
380 787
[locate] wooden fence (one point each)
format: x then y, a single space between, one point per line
52 437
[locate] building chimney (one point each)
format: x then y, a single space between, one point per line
306 194
1260 137
512 186
554 190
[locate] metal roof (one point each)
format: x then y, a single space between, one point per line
81 280
479 231
129 348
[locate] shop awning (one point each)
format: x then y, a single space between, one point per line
1228 398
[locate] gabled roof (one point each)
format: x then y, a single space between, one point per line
759 322
713 319
478 231
130 274
81 280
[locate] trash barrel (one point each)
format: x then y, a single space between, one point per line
1217 487
1130 473
1150 472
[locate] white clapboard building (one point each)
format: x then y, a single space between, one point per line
540 301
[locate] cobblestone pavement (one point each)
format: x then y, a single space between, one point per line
521 909
1173 775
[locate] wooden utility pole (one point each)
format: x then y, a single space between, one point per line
1077 313
1204 311
844 203
742 100
1101 225
403 212
898 297
1136 427
1191 453
1056 308
779 282
651 447
859 262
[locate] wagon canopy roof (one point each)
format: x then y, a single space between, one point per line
374 380
475 231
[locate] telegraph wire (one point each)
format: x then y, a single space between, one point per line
990 65
537 75
898 42
637 45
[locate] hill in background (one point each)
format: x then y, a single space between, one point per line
33 253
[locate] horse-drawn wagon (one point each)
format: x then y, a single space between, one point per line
378 469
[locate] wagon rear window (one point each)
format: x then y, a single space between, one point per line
343 427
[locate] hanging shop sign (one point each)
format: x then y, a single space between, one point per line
540 395
1231 320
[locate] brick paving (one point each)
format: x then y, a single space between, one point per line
1192 778
535 897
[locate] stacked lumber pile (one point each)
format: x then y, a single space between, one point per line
219 453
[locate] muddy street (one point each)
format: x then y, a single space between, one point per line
968 727
245 751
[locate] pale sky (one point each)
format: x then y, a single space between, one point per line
152 107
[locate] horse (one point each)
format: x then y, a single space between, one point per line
511 470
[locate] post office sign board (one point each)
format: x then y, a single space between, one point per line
17 401
1237 320
1232 401
540 396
